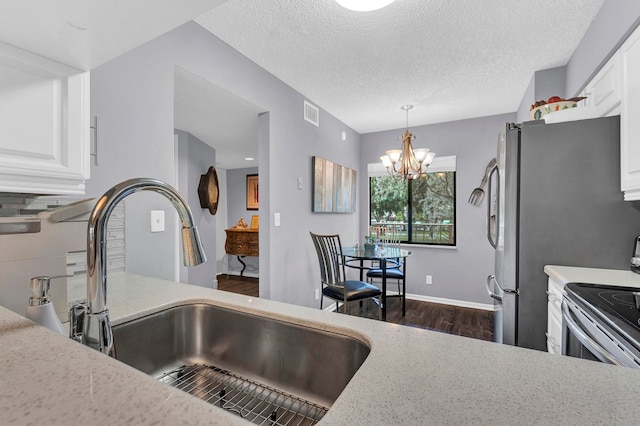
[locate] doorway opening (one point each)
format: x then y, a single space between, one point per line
221 130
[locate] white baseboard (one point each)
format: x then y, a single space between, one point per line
330 304
443 301
331 307
237 274
461 303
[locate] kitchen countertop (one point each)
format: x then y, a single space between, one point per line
572 274
412 376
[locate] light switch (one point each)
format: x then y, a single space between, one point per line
299 182
276 219
157 220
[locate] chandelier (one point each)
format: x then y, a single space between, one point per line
407 163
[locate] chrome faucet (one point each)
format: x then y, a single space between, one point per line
90 321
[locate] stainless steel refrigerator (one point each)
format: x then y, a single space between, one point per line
553 198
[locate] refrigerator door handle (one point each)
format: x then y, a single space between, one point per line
494 243
490 291
503 290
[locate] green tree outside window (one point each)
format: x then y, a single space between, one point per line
423 209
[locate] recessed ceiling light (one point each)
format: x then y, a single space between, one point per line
249 158
364 5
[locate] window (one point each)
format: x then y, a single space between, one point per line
424 210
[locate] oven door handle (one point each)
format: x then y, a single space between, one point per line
583 338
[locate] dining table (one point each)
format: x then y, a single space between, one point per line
381 257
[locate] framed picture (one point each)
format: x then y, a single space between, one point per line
334 187
252 192
254 222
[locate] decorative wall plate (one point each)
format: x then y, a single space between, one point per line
208 191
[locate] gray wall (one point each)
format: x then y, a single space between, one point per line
130 96
237 208
133 97
458 273
527 99
543 85
264 130
615 20
194 159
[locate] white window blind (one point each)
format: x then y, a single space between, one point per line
439 164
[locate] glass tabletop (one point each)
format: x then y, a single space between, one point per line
381 252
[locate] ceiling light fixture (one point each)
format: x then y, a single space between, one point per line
407 163
364 5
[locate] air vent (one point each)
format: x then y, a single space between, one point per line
311 113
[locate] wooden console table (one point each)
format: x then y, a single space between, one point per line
242 242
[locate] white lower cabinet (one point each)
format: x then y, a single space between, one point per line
44 124
555 291
629 122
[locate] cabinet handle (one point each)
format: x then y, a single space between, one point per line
552 297
94 128
552 340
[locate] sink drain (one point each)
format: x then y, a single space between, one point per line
253 401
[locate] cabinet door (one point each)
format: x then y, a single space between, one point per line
555 290
629 122
604 91
44 124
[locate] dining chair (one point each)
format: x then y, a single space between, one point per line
388 236
335 285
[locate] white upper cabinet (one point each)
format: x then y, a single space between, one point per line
44 124
630 117
604 92
47 48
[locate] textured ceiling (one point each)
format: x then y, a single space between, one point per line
87 33
451 59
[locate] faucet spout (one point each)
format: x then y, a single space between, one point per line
96 328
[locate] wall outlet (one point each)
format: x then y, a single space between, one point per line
316 294
429 280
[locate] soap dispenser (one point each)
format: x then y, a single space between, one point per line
40 308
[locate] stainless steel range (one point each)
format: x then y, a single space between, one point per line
602 323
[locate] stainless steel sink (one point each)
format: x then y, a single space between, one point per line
262 369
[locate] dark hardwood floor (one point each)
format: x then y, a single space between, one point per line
235 284
450 319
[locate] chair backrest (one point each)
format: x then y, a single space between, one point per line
329 251
388 235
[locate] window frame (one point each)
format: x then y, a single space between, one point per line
440 164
